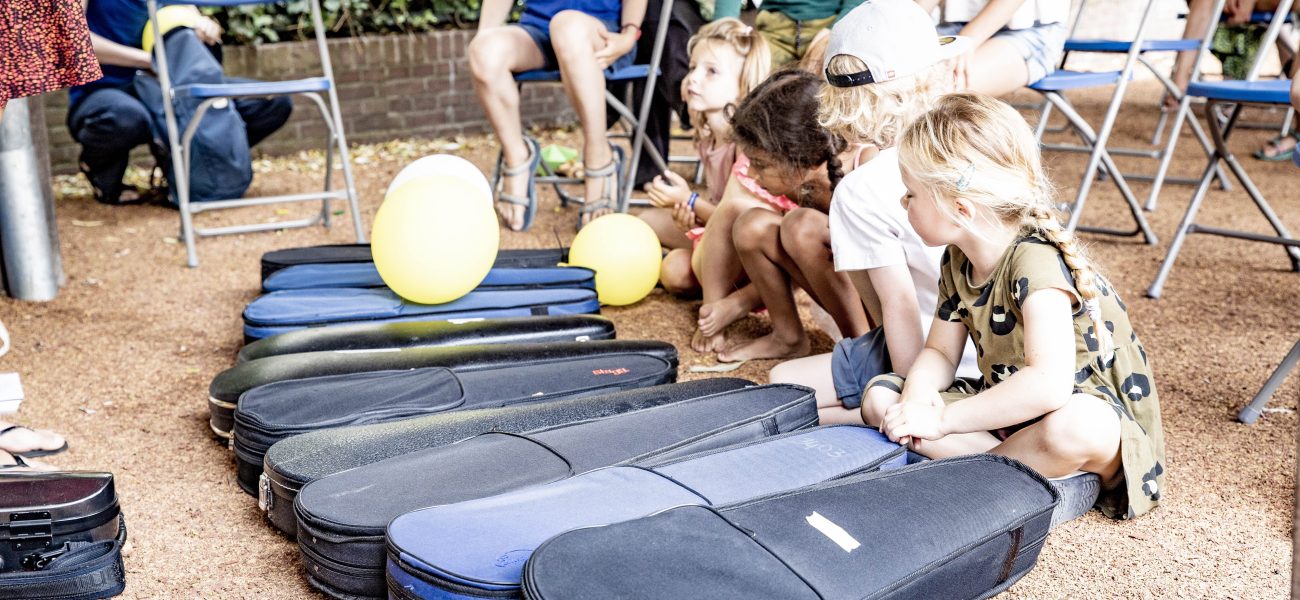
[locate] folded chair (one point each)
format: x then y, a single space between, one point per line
635 122
1236 94
1158 150
1053 88
217 94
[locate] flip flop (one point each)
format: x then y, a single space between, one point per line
1261 154
31 453
18 463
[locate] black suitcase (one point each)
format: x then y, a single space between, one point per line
410 334
292 463
360 253
61 536
272 412
341 518
965 527
229 385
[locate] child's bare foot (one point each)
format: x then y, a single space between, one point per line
708 344
17 439
717 315
767 346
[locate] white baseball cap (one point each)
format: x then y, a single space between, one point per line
895 38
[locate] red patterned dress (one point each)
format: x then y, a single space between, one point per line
44 46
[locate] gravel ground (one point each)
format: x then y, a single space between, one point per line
120 362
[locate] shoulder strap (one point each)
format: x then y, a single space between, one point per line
77 571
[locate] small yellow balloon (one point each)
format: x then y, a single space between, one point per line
434 240
624 252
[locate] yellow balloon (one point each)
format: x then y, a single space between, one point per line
170 17
434 239
624 252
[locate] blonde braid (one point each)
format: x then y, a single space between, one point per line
1044 220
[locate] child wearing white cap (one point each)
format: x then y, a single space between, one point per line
885 66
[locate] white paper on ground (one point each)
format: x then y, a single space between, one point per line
11 393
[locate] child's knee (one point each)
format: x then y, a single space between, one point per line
804 229
675 273
751 229
875 401
1085 429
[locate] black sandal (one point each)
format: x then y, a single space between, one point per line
31 453
18 463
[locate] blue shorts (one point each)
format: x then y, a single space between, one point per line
856 361
541 34
1041 45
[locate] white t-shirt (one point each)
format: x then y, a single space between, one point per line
1030 13
869 230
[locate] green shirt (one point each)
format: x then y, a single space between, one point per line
799 10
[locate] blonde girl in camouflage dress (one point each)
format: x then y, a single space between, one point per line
1065 383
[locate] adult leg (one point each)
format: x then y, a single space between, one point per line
996 68
576 38
1198 18
1083 435
806 237
757 235
718 269
262 116
494 56
108 123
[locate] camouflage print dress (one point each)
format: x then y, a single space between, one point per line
992 314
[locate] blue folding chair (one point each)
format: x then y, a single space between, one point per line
1053 88
1236 94
212 94
1162 152
635 122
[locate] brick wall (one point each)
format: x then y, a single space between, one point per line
389 87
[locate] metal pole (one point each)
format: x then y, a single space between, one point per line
29 241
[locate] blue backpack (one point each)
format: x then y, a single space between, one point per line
221 166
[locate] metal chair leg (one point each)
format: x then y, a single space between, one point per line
1251 413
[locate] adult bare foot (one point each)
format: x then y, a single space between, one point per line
10 463
767 346
16 439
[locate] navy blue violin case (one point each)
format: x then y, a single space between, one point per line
341 518
349 256
965 527
409 334
292 463
477 548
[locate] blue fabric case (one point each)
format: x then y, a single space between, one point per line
483 543
290 310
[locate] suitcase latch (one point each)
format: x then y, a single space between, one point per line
265 499
30 530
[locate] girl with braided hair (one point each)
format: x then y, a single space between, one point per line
792 155
1066 385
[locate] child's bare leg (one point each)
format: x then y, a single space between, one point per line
661 221
718 269
757 235
877 399
1083 435
576 38
494 54
806 237
815 372
676 275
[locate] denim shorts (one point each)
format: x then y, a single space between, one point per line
541 35
854 362
1041 45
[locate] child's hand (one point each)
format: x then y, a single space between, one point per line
208 31
668 190
684 216
905 421
616 44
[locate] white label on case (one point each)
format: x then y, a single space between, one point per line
833 531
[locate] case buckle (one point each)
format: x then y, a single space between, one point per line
30 530
265 499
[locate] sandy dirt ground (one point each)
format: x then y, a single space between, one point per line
121 360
